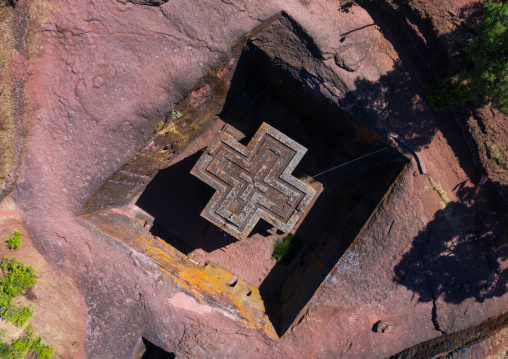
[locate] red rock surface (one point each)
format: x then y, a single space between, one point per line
110 70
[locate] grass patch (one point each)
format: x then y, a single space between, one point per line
284 251
14 241
41 11
449 214
436 186
494 152
20 347
17 279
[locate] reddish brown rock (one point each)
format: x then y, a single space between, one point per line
411 265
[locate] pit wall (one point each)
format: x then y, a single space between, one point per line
300 68
209 284
193 115
284 72
298 294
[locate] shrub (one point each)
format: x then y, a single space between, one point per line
488 56
18 315
285 250
14 241
449 93
494 152
27 343
17 278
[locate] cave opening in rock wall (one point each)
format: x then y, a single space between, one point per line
147 350
275 79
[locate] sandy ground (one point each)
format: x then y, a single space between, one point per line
60 311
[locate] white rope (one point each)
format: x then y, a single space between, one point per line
356 159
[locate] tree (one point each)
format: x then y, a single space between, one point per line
488 55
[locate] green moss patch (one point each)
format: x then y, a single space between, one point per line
285 250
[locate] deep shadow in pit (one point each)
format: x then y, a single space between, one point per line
152 351
264 91
459 254
352 193
175 198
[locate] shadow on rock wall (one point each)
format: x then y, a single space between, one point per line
395 101
461 254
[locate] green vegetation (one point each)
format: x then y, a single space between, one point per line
18 315
447 94
14 241
17 278
27 343
488 55
487 61
285 250
175 114
494 152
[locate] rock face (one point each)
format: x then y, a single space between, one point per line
110 72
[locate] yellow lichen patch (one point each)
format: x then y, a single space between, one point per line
442 193
170 128
210 284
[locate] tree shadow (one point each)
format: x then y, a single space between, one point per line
460 254
394 102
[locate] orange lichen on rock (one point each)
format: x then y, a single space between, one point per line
210 284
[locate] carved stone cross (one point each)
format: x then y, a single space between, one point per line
254 182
